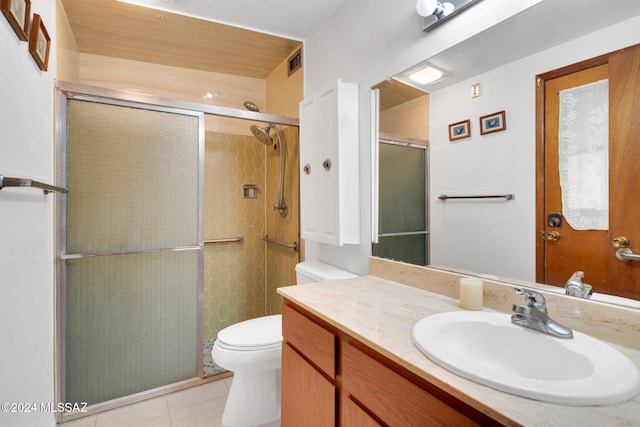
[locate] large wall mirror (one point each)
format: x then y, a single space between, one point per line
492 237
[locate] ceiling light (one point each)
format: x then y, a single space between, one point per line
422 76
426 75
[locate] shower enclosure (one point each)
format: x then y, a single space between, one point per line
402 209
159 244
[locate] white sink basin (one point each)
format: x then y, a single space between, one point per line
489 349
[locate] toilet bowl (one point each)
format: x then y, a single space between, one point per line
252 350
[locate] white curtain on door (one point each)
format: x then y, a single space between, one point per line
583 148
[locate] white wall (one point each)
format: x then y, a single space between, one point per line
498 237
26 227
364 42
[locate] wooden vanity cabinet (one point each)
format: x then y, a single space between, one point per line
389 396
331 379
308 372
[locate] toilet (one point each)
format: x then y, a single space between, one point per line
252 350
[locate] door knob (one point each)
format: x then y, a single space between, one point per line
553 236
620 242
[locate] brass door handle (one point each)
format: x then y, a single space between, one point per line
620 242
553 236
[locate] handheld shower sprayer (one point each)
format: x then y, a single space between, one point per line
263 135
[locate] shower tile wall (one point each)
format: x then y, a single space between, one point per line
234 273
281 262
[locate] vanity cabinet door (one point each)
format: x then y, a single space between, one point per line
353 415
308 398
308 372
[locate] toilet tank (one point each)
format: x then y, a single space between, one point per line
316 271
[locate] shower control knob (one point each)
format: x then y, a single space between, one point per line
327 164
307 168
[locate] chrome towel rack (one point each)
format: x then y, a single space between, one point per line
25 182
237 239
293 245
498 196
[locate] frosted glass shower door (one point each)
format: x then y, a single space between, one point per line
131 251
402 222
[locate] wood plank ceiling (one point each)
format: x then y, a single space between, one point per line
121 30
394 92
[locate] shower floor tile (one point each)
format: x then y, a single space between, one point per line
210 368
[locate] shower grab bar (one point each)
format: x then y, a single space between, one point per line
133 252
499 196
237 239
293 245
25 182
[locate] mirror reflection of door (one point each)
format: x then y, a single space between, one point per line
402 196
572 236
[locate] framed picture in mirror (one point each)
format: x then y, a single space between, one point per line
17 13
460 130
39 42
493 123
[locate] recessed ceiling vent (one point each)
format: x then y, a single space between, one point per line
295 61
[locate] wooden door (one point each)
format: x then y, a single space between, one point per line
562 250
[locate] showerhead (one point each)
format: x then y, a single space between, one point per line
262 134
252 107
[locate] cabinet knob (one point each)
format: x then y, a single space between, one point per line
327 164
307 168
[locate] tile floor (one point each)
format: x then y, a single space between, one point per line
199 406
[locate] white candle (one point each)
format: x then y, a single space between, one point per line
471 293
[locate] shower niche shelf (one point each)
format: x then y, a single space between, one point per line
249 191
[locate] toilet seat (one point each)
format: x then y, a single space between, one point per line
248 348
261 333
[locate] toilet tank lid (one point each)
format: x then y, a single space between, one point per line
320 271
259 331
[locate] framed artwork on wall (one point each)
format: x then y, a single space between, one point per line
460 130
39 42
17 13
493 123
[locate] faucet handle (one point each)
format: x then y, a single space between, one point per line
533 299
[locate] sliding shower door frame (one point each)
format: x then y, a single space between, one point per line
115 98
66 91
419 144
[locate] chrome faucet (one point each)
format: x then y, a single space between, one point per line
534 315
576 288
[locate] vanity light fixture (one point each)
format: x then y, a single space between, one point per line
434 12
434 7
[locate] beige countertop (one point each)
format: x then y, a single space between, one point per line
381 314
